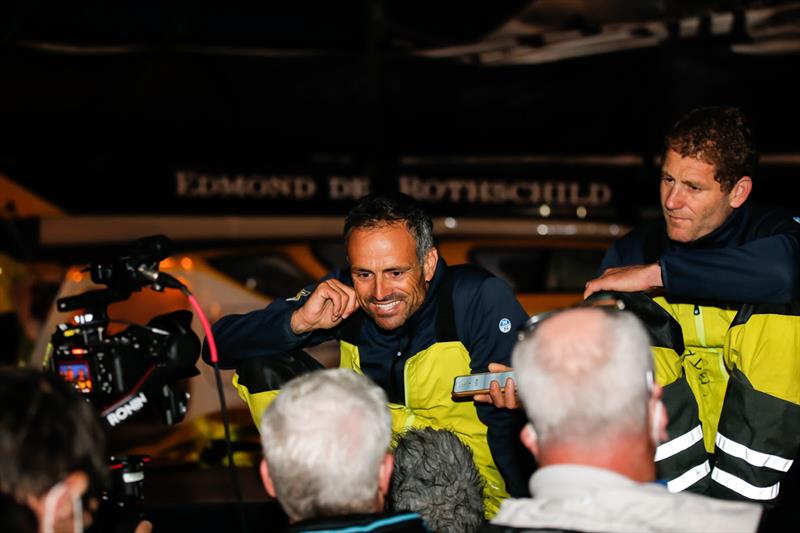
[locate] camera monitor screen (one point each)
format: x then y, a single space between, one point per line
76 373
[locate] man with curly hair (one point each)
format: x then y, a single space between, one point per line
725 275
435 476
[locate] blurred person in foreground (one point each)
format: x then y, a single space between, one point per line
435 476
725 276
52 453
327 456
585 379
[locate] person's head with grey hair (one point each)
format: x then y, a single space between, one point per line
585 379
326 441
376 210
435 476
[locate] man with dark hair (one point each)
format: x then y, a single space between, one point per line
720 137
52 448
409 322
435 476
729 352
382 210
710 243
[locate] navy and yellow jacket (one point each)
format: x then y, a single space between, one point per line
727 351
467 320
752 257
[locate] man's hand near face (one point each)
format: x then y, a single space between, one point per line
626 279
330 303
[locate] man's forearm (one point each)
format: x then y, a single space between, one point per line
254 334
632 278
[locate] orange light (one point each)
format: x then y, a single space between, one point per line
167 263
77 276
78 351
186 263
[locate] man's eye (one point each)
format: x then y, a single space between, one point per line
362 275
694 187
667 179
396 273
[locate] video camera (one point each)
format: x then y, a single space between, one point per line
137 369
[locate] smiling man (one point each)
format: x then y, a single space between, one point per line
726 274
409 322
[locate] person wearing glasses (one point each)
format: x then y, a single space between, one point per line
725 274
595 417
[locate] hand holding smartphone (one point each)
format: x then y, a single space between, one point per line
472 384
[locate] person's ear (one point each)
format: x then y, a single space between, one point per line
658 417
530 439
266 480
385 474
429 264
740 192
61 502
77 483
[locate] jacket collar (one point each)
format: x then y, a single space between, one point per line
730 231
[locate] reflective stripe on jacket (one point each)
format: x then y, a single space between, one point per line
740 434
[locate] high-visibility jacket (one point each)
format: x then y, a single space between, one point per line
742 366
467 320
730 371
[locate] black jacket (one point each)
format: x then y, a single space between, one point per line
753 257
380 522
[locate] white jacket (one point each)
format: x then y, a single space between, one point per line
584 498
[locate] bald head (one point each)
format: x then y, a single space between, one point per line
582 376
573 343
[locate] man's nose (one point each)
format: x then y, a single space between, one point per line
381 288
674 199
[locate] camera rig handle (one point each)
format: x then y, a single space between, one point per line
95 300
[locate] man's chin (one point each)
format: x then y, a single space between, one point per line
678 234
388 322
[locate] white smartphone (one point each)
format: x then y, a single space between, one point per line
467 386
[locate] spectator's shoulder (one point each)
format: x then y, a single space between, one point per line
497 528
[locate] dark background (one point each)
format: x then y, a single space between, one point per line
101 103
